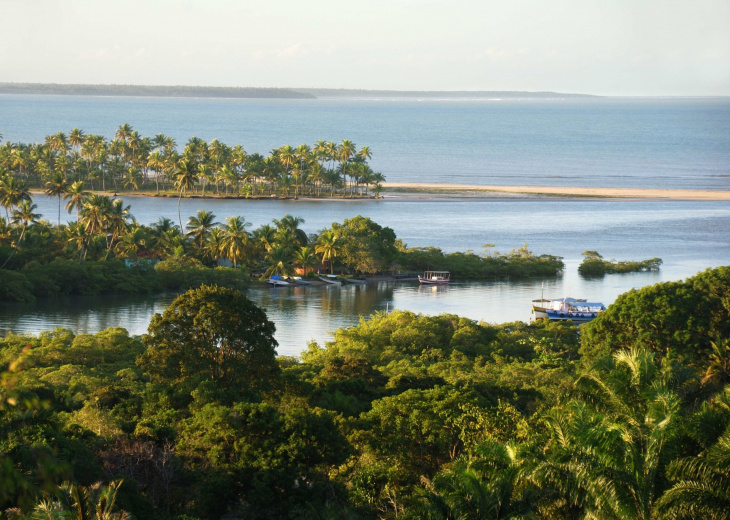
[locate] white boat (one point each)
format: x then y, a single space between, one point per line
276 281
331 279
297 280
563 309
435 277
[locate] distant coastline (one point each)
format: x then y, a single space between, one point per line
151 91
265 93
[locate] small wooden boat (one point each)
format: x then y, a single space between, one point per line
331 279
277 281
435 277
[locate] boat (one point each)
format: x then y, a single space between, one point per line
276 281
330 279
563 309
435 277
297 280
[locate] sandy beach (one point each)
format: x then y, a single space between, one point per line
472 190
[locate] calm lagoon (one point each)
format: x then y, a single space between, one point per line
688 236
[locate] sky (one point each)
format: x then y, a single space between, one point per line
602 47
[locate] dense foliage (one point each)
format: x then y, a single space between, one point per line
132 162
594 265
106 251
403 416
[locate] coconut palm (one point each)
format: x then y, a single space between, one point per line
214 245
116 223
306 259
327 245
236 239
185 178
76 138
12 193
291 224
199 227
24 215
76 196
57 187
76 235
132 242
345 152
279 261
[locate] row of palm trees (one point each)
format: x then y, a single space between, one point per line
134 162
104 228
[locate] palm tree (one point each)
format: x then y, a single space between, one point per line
116 223
57 187
199 226
77 236
236 239
306 259
290 223
76 196
327 246
12 193
345 152
132 242
702 485
185 178
94 216
214 246
76 138
75 502
486 486
279 261
617 437
24 215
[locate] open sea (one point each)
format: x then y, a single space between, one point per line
601 142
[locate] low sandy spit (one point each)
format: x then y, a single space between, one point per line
415 188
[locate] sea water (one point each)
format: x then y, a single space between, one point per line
598 142
681 143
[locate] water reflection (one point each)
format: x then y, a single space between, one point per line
314 312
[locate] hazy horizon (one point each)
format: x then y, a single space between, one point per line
645 48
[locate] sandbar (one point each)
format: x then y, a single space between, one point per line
557 191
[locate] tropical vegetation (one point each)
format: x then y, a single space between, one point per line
402 416
593 265
105 250
131 162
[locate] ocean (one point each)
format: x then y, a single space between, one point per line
635 143
681 143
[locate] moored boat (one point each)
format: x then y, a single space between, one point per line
563 309
435 277
330 279
277 281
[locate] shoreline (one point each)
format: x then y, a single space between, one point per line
475 190
445 192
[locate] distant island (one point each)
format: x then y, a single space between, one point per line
448 94
151 90
254 92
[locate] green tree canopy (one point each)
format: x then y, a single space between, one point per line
211 333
